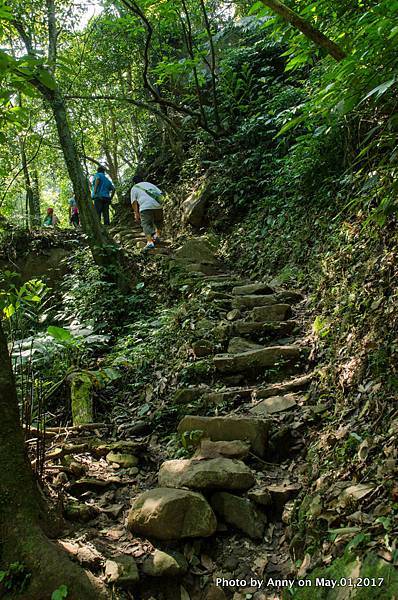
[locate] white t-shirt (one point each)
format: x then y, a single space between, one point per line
145 201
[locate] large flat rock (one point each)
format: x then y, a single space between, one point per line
237 345
262 328
274 404
170 514
240 513
252 288
251 429
213 474
251 300
197 250
256 359
274 312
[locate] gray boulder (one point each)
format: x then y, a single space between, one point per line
194 207
213 474
171 514
251 429
240 513
165 564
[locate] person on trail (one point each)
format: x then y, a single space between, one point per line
74 218
102 192
51 219
146 202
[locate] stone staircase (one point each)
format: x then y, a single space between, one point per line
221 487
235 488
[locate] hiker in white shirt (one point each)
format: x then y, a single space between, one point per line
146 202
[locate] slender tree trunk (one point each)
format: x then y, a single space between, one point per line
32 215
104 251
212 64
36 218
24 516
309 31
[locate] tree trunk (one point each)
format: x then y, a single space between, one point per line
29 208
104 251
309 31
24 516
35 214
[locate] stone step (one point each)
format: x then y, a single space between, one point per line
251 429
263 328
248 301
223 282
258 359
250 393
212 474
197 250
275 312
254 329
220 278
214 397
237 345
202 268
252 288
275 404
279 389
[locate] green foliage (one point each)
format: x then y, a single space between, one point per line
16 578
60 593
191 439
90 299
20 302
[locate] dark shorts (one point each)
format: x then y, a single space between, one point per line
151 219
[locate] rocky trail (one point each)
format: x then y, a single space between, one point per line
215 523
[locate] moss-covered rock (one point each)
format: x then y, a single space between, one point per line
81 398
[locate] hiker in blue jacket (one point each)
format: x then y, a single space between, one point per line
102 192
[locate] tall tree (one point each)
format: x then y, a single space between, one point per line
104 251
25 518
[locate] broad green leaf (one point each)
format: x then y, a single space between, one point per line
60 334
289 125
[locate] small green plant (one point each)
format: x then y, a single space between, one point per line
60 593
191 439
16 578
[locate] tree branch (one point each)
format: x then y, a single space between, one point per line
306 28
137 103
135 9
